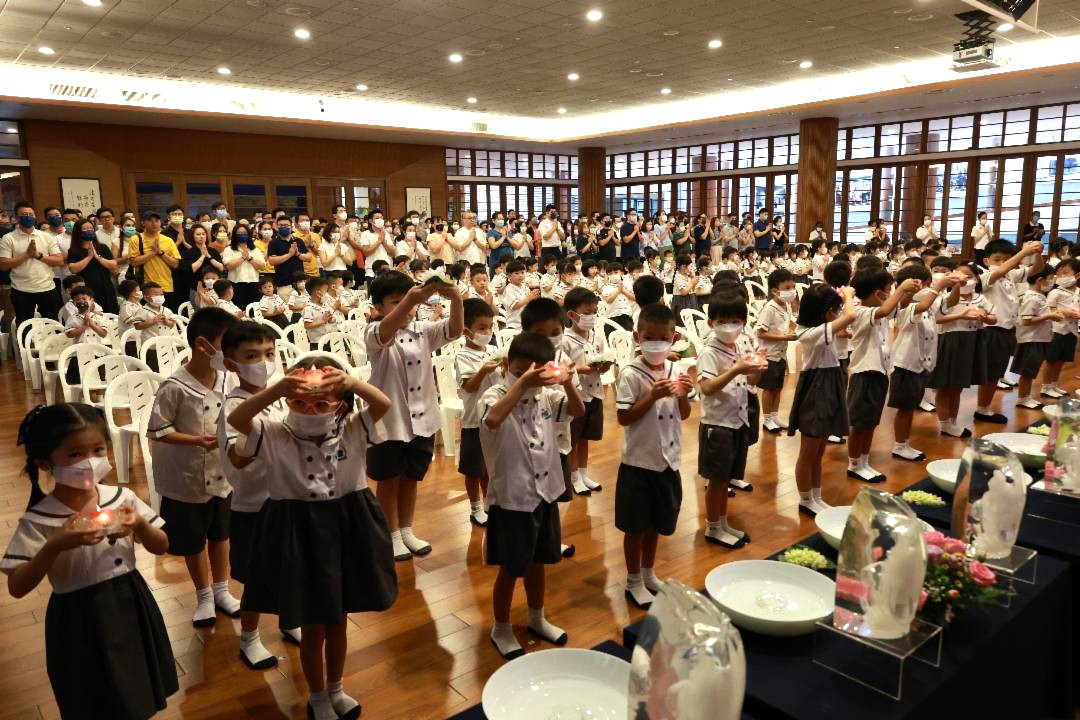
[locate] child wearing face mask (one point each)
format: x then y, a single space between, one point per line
618 298
104 635
204 292
299 298
1034 331
775 329
224 290
318 318
475 372
248 348
584 346
961 359
322 547
271 306
187 465
684 283
651 400
1062 299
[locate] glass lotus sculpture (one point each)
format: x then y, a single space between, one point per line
688 663
1065 445
880 571
989 500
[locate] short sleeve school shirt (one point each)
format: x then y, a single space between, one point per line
654 442
582 351
401 368
467 363
727 407
775 318
1065 301
1003 295
818 346
250 483
1033 305
870 351
511 295
915 346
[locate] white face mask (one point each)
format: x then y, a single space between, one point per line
787 296
937 276
305 225
137 295
267 234
410 235
208 283
311 426
353 224
378 222
655 351
84 474
341 216
335 237
1065 282
158 300
586 322
217 361
481 340
927 223
256 373
728 332
967 288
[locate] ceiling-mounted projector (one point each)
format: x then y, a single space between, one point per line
1011 11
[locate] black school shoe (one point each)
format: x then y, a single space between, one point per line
633 601
261 665
560 641
508 656
569 550
995 418
873 479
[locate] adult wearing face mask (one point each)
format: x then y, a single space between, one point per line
410 244
469 241
108 234
630 236
421 229
303 231
58 225
30 255
763 231
438 242
551 234
1034 229
155 256
220 213
980 236
197 255
93 260
286 255
334 253
926 232
243 261
498 238
377 242
606 239
263 234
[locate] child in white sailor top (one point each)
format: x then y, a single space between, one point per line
517 433
399 349
515 295
322 547
1065 300
775 329
532 277
618 297
151 319
1034 331
204 291
318 319
249 352
868 386
271 306
682 293
584 346
474 370
549 277
224 291
187 465
728 364
107 653
299 298
651 400
567 281
478 284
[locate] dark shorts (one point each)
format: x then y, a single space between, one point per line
1062 348
647 500
396 458
242 534
470 456
589 426
516 540
568 491
1028 359
722 452
773 377
190 525
906 388
1000 346
866 399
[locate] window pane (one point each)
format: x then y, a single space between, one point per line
954 222
910 214
727 156
1072 123
696 162
838 203
652 162
793 150
682 196
990 126
482 206
761 194
862 142
154 195
935 192
989 178
293 198
465 166
1043 199
841 146
481 163
724 201
1016 127
746 153
620 166
574 167
637 164
711 188
961 132
860 186
937 135
712 157
575 204
1010 198
665 161
886 208
793 196
778 203
511 165
745 203
761 152
636 199
248 198
495 164
681 160
780 151
890 140
912 141
1048 127
451 162
200 196
564 167
1070 198
620 199
654 200
549 173
523 165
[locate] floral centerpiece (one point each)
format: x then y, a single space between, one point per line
954 580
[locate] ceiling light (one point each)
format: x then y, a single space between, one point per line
471 100
594 15
92 3
561 111
302 33
454 58
1005 27
361 87
572 76
46 50
713 44
665 91
11 130
806 64
224 71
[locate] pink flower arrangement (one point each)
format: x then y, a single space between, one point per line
981 574
953 580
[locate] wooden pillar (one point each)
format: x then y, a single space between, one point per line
592 179
817 175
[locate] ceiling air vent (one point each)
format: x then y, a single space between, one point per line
134 96
480 127
72 91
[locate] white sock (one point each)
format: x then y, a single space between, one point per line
255 652
648 576
586 480
805 497
635 586
853 463
729 529
476 506
815 497
341 702
721 531
416 545
320 705
770 417
539 625
400 551
502 634
204 605
294 633
984 410
224 599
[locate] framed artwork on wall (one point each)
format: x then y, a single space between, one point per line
83 194
418 199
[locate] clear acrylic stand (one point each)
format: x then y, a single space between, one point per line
1021 565
876 664
1052 501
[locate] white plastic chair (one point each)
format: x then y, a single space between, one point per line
690 316
49 350
252 310
360 312
621 344
168 349
23 352
450 405
134 391
131 335
84 354
287 354
504 337
297 335
273 326
339 344
97 375
186 309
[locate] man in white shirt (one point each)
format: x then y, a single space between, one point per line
376 243
220 214
980 236
58 224
109 233
551 233
469 241
30 255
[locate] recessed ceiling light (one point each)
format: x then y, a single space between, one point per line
46 50
454 58
361 87
92 3
1005 27
302 33
731 79
713 44
471 100
671 33
594 15
12 130
572 76
665 91
806 64
561 111
224 71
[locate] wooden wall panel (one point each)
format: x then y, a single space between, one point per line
60 149
817 175
592 190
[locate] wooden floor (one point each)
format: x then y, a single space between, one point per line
429 656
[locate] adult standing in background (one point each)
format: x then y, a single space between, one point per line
93 260
498 237
469 241
158 257
700 235
58 225
606 239
926 233
243 261
220 213
334 253
439 242
421 229
584 241
980 236
630 236
763 231
818 233
377 242
286 255
551 234
1034 230
729 235
108 234
661 231
303 232
779 233
30 255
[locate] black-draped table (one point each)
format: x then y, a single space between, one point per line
1014 663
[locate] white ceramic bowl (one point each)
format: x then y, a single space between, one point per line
560 683
943 474
1026 447
831 524
771 597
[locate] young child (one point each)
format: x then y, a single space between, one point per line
475 373
549 276
322 547
775 329
399 349
1062 299
567 280
187 465
1034 332
1000 279
478 284
651 401
299 298
517 433
648 290
70 283
961 360
224 291
727 366
498 276
515 295
248 348
818 408
584 346
871 360
532 276
618 298
667 272
271 306
686 280
204 292
85 325
107 653
913 354
318 318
